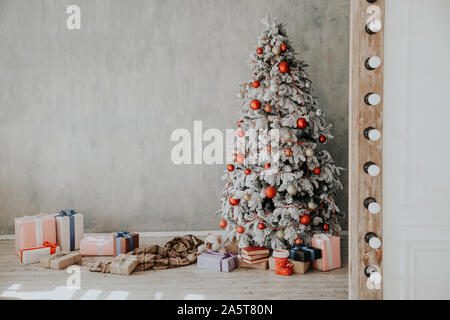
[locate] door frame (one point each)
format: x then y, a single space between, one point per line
362 150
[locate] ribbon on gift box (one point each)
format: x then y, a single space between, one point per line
99 242
126 235
313 253
46 244
224 256
325 238
69 213
292 252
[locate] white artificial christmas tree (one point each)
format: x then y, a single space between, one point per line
279 202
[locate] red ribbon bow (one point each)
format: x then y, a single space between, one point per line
51 245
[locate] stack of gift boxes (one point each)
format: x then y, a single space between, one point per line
56 241
324 255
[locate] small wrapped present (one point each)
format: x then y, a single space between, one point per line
125 242
304 253
33 255
260 265
33 231
97 246
60 260
223 262
123 264
297 266
69 230
331 252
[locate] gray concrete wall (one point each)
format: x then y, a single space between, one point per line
86 116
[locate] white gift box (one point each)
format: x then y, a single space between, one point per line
34 255
69 230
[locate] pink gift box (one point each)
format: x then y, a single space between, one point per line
97 246
331 252
33 231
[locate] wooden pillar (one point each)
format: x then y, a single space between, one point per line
362 185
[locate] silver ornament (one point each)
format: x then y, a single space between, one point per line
280 234
309 152
286 135
319 112
291 190
276 50
312 205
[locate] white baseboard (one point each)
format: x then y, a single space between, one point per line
154 234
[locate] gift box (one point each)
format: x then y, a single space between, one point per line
33 231
297 253
60 260
260 266
331 252
315 252
297 266
33 255
97 246
69 230
125 242
224 262
123 264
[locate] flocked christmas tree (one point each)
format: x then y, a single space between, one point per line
282 200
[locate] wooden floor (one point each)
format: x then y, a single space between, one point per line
19 281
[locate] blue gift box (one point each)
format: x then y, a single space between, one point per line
304 253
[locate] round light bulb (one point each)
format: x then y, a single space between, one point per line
375 243
372 134
373 26
375 277
374 208
373 170
373 99
373 62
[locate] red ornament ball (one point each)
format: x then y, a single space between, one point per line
298 241
230 167
240 158
317 171
323 139
283 67
267 165
288 152
248 172
234 202
255 84
223 224
259 51
240 229
283 47
326 227
241 133
271 192
302 123
305 219
255 104
240 123
268 108
261 226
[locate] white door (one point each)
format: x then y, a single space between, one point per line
417 150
